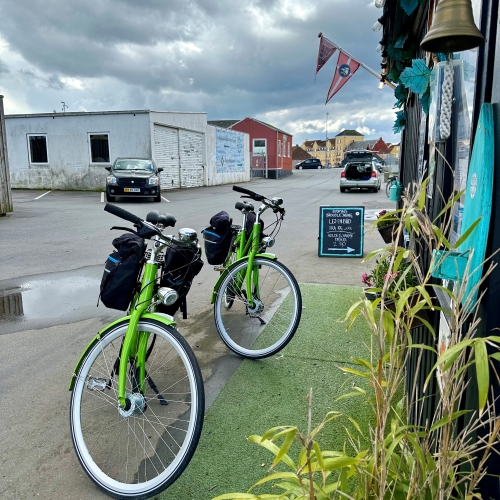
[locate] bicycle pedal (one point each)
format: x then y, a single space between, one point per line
219 268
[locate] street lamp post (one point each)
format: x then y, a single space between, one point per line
326 139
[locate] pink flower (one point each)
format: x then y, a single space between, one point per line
364 279
390 275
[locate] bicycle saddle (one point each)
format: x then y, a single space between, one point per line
243 205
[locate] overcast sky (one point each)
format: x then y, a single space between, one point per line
229 58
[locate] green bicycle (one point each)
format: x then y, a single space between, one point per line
137 401
257 301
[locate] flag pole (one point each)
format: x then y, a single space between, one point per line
362 64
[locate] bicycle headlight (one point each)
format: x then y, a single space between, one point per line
167 296
111 179
268 241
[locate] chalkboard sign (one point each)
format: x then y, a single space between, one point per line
341 231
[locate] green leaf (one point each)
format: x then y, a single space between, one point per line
287 442
416 77
448 419
388 322
482 372
425 100
467 233
400 122
338 463
276 475
268 445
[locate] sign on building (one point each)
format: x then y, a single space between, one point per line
230 152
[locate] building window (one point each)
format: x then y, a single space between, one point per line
288 150
279 147
37 144
99 148
259 147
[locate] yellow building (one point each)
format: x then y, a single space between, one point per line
331 151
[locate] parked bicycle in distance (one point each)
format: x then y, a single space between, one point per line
257 301
137 401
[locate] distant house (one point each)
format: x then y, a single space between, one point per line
270 147
376 145
340 143
298 155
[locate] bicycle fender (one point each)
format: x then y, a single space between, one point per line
271 256
162 318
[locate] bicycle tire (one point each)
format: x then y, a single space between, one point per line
265 330
138 455
388 188
229 294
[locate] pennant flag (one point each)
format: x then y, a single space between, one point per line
326 50
346 67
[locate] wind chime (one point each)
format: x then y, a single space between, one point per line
452 30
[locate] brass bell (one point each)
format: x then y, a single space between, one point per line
453 28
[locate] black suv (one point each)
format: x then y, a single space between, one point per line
310 163
136 177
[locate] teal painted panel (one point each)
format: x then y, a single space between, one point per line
478 197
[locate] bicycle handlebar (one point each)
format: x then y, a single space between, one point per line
251 194
123 214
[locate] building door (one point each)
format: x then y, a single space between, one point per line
166 154
191 156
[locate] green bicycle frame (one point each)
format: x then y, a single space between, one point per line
135 343
246 249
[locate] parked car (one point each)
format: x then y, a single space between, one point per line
360 172
310 163
133 177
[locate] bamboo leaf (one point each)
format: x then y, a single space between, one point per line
441 238
446 420
467 233
422 197
276 475
363 362
268 445
349 395
355 372
482 372
338 463
388 322
287 442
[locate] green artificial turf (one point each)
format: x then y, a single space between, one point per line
272 392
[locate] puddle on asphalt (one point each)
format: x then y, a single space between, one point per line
53 298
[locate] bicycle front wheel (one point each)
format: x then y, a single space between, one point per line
388 189
139 451
264 328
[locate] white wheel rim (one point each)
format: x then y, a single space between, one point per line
130 489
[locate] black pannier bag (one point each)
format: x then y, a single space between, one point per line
182 264
121 272
218 238
251 218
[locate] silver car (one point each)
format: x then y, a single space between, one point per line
360 172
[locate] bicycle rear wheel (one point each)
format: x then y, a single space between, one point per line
139 452
388 188
264 329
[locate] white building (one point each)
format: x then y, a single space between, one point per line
70 150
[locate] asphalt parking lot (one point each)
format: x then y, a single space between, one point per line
52 251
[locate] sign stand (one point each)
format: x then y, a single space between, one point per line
341 231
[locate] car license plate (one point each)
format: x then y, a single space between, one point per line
132 190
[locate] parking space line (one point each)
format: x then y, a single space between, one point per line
102 197
168 201
43 195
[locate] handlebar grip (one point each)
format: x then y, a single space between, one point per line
251 194
244 191
123 214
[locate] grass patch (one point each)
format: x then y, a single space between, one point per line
270 392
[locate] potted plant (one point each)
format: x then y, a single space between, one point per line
387 224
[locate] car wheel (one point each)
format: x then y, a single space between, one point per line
374 189
342 190
110 198
319 167
158 198
300 168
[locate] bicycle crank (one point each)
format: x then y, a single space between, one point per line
135 404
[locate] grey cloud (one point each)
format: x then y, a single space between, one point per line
238 71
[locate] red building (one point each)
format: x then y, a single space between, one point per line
270 147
